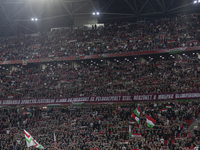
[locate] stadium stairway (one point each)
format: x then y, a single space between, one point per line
191 127
189 124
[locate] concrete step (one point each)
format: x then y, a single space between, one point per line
191 127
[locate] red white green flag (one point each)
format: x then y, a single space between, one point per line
163 110
30 141
64 81
136 135
10 96
27 113
168 106
136 118
150 122
161 67
137 111
73 40
89 42
125 142
129 130
131 122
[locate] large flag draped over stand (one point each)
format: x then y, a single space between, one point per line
137 111
136 118
150 122
30 141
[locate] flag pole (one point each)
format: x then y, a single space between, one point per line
55 141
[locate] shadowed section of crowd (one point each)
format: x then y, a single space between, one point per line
164 33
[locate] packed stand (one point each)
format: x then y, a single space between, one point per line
101 127
179 31
158 75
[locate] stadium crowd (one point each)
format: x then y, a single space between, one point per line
179 31
157 75
102 127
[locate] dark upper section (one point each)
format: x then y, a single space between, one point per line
15 15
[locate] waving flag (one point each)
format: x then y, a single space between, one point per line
134 135
136 118
150 122
137 111
27 113
37 145
30 141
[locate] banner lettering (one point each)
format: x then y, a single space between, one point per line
103 99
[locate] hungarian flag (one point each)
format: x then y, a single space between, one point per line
147 109
129 130
136 135
168 106
175 103
125 142
73 40
30 141
152 109
89 42
78 104
19 110
96 39
27 113
131 122
131 40
150 122
55 140
37 145
8 76
136 118
194 42
137 111
64 81
51 56
161 67
10 96
164 110
172 84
